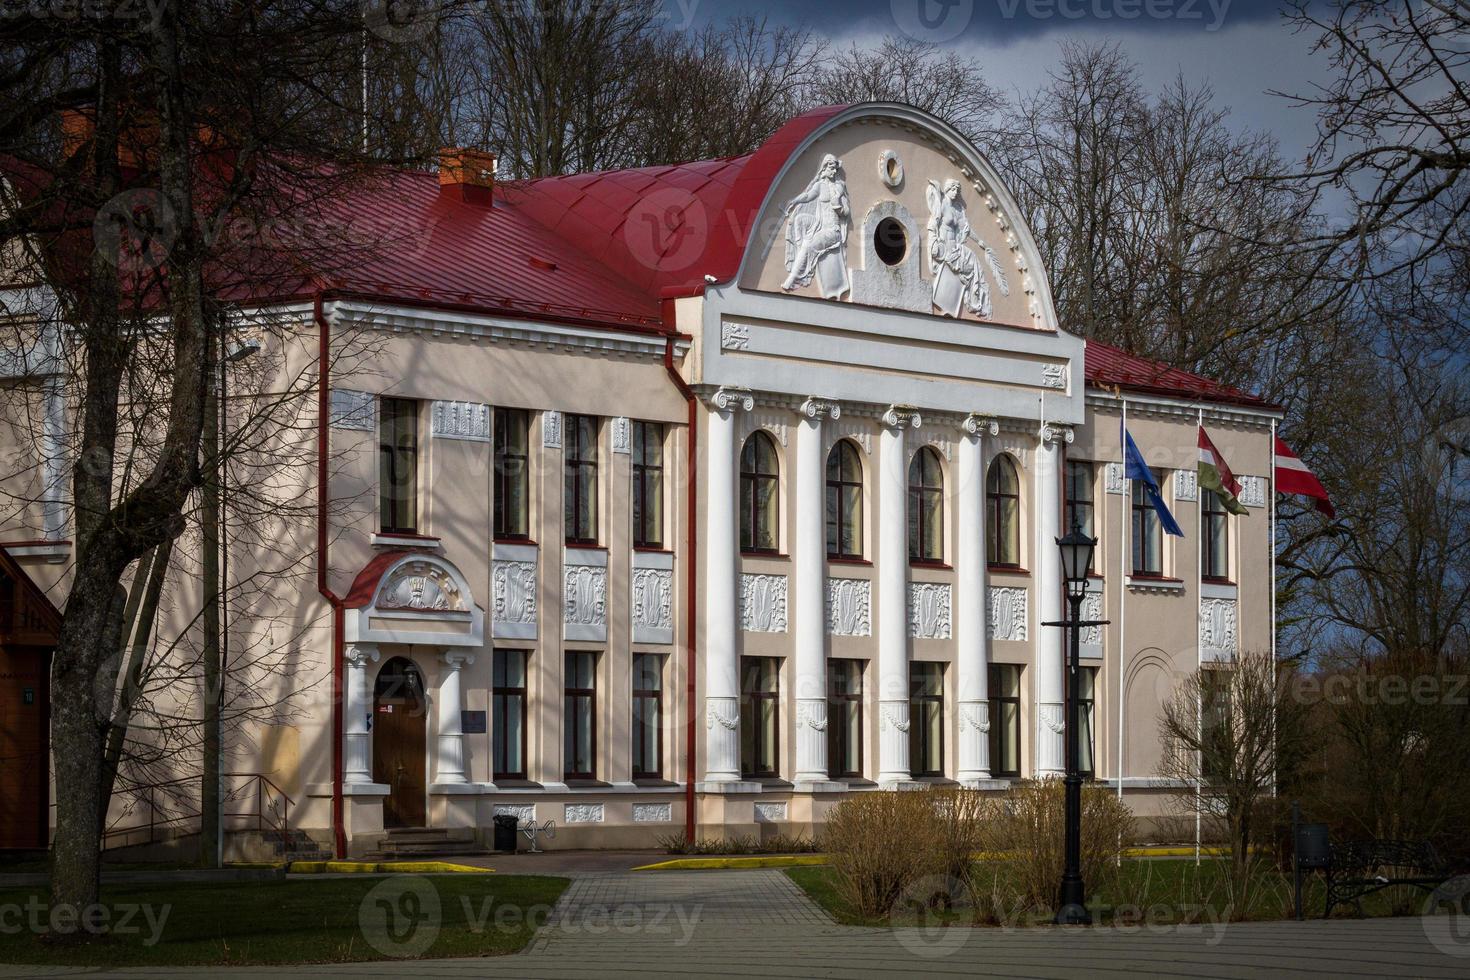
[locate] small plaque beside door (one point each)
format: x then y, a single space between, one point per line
472 722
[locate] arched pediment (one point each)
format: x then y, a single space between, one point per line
413 597
885 205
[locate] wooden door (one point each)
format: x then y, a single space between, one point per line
24 784
399 740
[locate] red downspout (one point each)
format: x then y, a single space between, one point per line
691 564
323 408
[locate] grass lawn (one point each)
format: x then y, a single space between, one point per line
321 920
1150 892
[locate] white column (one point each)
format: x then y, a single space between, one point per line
721 663
809 549
449 765
1050 640
972 634
53 461
893 586
358 764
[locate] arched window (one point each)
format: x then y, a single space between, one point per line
926 507
844 502
759 500
1003 520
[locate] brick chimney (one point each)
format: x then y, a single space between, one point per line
466 175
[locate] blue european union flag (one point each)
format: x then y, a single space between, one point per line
1134 468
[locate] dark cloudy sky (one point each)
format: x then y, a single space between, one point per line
1242 48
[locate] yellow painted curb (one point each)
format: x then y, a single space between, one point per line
381 867
754 861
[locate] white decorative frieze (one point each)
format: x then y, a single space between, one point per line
734 335
849 604
1253 491
460 420
525 812
583 813
584 601
1091 639
653 813
653 605
622 434
1186 485
1113 480
353 409
974 716
421 585
770 813
1054 376
1007 611
763 603
929 610
551 430
513 593
1218 629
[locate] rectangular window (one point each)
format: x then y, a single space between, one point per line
760 727
398 465
579 450
1216 756
579 718
1148 544
1087 720
648 685
648 485
926 719
845 718
512 474
1079 502
1005 720
1214 536
508 711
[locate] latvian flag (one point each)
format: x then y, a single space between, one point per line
1215 475
1292 476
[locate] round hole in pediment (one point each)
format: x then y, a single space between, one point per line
890 241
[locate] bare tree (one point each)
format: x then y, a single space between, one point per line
1229 733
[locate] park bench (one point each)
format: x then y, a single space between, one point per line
1361 867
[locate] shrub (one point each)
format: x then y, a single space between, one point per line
740 844
1024 832
881 843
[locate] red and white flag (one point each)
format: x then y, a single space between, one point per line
1292 476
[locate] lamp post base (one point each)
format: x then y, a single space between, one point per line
1071 909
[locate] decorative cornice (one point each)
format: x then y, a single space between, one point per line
1255 418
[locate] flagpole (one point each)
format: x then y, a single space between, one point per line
1199 650
1271 503
1123 536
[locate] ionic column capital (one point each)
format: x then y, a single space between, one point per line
1055 432
818 408
732 399
902 417
980 425
455 659
360 654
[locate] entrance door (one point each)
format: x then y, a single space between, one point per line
24 784
399 734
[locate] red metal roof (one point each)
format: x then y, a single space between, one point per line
1110 367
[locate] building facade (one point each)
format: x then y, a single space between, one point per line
708 495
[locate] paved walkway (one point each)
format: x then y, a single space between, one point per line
758 924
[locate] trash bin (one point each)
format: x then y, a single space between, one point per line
505 832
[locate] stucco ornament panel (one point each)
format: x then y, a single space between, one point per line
763 603
584 595
583 813
1186 484
929 610
1007 608
460 420
817 223
653 599
525 812
353 409
420 585
653 812
513 584
1253 491
551 430
622 435
734 335
1218 628
1113 480
849 607
770 812
959 279
1092 609
1054 376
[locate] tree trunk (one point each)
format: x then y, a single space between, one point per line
209 789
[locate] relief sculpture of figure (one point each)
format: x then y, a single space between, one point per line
959 281
817 220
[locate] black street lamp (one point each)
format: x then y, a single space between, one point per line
1076 549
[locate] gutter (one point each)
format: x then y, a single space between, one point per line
323 404
691 570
